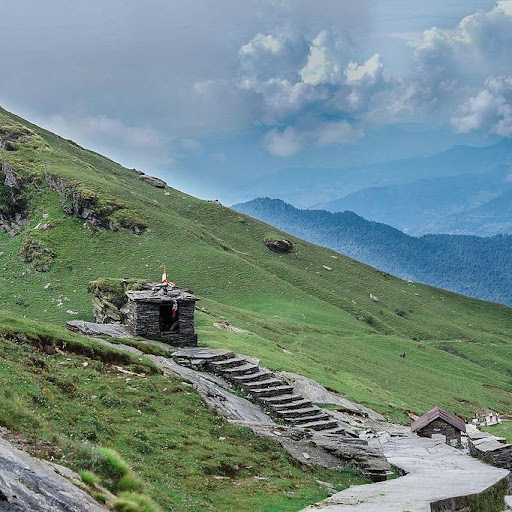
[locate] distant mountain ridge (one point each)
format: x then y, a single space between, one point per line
464 204
470 265
308 186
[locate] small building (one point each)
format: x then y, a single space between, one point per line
439 422
162 312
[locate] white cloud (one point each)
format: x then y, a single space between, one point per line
282 142
261 43
323 65
337 133
103 127
489 109
481 44
290 140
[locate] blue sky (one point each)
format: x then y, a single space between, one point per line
215 96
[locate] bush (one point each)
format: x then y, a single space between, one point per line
135 502
89 478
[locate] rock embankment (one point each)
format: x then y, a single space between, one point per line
28 484
12 204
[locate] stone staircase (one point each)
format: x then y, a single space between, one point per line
275 394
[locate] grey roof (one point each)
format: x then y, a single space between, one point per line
161 293
439 413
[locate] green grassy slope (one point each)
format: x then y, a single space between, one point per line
326 318
187 459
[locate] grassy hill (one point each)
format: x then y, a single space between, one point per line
324 317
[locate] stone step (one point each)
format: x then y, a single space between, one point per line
228 363
282 399
269 392
261 384
296 413
205 354
252 377
245 369
316 416
300 403
333 431
319 425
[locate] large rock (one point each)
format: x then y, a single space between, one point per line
151 180
282 246
28 484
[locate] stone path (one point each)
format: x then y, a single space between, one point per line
435 473
264 386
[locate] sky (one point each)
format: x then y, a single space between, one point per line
216 96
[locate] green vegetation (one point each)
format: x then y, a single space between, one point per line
304 317
148 436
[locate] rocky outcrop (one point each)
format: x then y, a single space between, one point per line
86 205
12 225
12 204
79 203
280 246
151 180
28 484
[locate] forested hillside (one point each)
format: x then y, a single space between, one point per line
479 267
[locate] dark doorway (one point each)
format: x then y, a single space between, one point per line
169 319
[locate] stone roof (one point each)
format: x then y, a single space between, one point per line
438 413
161 293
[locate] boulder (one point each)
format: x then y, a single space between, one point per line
281 246
151 180
28 484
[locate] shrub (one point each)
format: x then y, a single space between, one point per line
135 502
89 477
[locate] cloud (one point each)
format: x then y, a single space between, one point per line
323 66
259 44
490 109
103 127
282 142
480 45
291 81
290 140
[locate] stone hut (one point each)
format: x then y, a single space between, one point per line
158 311
162 312
439 422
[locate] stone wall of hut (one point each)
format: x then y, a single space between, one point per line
439 426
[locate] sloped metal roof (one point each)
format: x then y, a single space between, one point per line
438 413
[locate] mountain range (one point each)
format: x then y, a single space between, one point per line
478 204
471 265
307 187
